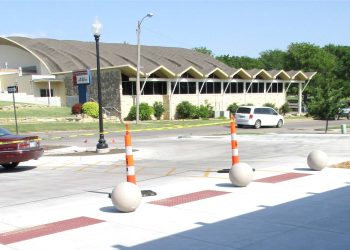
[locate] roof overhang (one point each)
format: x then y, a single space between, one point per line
218 72
192 71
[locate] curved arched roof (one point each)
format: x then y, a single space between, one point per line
68 55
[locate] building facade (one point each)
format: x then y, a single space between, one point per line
43 71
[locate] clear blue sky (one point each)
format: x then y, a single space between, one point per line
233 27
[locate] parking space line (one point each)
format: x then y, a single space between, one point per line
139 170
114 166
88 166
172 170
206 172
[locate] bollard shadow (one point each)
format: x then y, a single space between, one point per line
304 169
225 185
109 209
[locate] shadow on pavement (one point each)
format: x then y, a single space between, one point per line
17 169
319 221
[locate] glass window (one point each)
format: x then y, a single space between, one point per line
45 92
202 88
183 88
210 87
147 89
160 88
217 87
128 88
240 87
248 87
243 110
268 87
280 87
274 88
192 88
227 87
177 88
255 87
261 87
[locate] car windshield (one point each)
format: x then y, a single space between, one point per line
4 132
243 110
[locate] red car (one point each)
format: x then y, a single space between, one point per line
17 148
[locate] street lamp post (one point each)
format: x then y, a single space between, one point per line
138 31
102 146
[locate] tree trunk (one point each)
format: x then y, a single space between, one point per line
326 127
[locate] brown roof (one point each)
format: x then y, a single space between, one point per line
69 55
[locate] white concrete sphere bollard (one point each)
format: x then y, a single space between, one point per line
126 197
241 174
317 160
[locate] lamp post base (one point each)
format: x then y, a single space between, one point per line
102 150
102 147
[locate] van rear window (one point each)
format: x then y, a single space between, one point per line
243 110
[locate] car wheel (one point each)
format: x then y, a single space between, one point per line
239 126
10 165
279 124
348 116
257 124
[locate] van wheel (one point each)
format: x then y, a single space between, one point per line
279 124
257 124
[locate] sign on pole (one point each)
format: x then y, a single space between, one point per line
82 77
12 89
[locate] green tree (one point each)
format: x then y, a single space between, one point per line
309 57
204 50
273 59
342 67
326 99
244 62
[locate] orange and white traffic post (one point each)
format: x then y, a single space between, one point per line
234 144
130 168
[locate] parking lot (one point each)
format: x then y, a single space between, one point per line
167 162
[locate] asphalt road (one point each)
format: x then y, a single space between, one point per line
90 138
191 152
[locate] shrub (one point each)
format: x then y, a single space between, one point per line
91 109
271 105
76 108
284 108
204 111
145 112
232 108
185 110
158 110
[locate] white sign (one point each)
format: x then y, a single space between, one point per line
12 89
81 77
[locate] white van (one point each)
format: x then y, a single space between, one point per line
258 117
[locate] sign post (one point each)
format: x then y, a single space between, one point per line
82 78
13 90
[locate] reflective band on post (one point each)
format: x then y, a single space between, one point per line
233 137
128 150
235 152
234 143
130 170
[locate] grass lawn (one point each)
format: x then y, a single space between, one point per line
109 125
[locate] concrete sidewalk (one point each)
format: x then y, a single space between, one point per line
308 211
